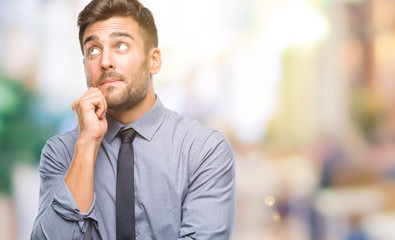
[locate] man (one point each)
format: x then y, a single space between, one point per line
183 171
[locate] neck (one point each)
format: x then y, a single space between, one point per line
131 115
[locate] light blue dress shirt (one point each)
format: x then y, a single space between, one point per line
184 183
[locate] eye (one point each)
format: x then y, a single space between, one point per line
121 47
93 51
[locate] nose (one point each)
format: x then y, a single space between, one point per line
107 62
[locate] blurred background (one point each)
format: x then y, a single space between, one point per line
303 89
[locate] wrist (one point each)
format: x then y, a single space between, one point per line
87 144
88 140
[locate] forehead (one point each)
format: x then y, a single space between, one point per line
113 24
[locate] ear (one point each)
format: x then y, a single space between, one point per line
155 60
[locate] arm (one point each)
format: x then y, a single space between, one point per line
209 208
67 189
90 112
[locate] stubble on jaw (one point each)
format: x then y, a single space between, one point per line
133 94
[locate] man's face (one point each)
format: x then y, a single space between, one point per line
116 62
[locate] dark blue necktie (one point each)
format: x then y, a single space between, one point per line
125 187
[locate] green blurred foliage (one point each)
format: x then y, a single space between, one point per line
22 134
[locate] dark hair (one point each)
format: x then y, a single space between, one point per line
98 10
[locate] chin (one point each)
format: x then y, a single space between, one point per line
110 92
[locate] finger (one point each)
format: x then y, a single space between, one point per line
95 102
101 109
99 100
89 94
92 100
85 95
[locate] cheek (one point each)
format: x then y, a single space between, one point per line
129 63
89 83
91 74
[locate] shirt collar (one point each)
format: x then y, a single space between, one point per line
146 125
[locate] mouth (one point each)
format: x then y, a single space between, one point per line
110 81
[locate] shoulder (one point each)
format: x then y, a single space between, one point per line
202 141
192 128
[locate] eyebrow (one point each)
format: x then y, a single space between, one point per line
121 34
112 35
90 38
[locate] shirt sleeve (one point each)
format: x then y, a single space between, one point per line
209 208
59 216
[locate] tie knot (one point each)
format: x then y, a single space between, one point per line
127 135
